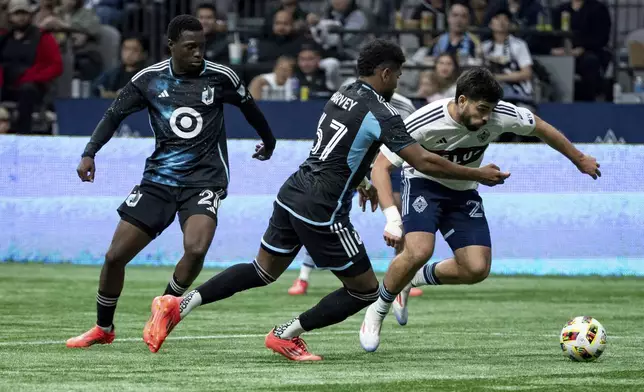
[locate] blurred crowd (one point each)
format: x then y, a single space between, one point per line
294 50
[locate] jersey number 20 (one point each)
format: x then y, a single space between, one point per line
340 130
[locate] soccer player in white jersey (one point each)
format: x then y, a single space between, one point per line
459 129
300 286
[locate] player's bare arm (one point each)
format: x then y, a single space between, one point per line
555 139
128 101
436 166
380 175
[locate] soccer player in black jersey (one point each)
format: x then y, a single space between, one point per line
187 174
312 208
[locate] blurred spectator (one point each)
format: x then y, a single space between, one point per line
441 82
5 121
434 7
273 86
525 15
298 14
345 14
30 61
46 8
82 27
109 12
283 41
134 52
383 11
479 13
457 39
591 25
4 15
311 74
216 38
509 58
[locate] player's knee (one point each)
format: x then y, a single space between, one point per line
478 270
196 250
113 259
416 256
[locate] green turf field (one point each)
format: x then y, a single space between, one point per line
500 335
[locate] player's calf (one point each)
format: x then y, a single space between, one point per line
470 265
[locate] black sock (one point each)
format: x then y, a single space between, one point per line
232 280
175 288
336 307
105 308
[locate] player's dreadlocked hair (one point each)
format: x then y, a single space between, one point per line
182 23
478 84
379 53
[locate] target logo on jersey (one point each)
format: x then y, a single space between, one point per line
186 122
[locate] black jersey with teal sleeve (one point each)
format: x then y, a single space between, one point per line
356 121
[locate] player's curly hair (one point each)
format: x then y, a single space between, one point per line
182 23
379 53
479 84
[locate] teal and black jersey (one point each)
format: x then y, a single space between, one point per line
356 121
187 117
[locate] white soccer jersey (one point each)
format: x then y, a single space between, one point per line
403 105
436 131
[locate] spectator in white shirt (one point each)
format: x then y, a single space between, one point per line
509 59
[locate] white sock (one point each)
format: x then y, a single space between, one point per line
107 329
305 272
289 330
382 307
419 278
189 302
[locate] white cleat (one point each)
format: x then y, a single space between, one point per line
370 330
400 305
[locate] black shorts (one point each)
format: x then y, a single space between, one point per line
151 207
337 247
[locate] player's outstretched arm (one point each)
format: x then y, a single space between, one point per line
555 139
127 102
380 176
436 166
256 119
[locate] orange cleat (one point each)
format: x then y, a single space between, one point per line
294 349
415 292
299 287
165 316
94 336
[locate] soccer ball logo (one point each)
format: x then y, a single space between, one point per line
583 339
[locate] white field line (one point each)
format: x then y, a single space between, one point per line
253 336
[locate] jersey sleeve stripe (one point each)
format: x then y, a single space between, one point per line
424 116
505 111
504 106
427 121
225 70
156 67
391 109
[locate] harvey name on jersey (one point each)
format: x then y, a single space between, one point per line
435 129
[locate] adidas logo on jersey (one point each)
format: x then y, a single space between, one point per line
164 94
442 141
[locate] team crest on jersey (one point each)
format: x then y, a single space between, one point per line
419 204
208 95
483 136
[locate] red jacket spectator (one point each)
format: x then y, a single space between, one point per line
47 65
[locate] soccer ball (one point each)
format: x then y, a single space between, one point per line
583 339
